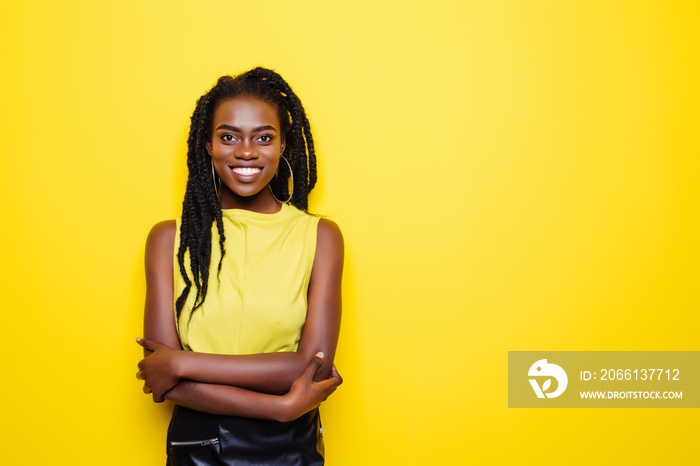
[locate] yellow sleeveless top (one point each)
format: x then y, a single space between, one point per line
258 302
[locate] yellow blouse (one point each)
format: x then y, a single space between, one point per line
258 304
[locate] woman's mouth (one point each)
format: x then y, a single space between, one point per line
246 171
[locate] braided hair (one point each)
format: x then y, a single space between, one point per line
201 207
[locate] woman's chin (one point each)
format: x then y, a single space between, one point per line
246 196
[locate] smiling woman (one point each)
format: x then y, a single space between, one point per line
247 353
246 150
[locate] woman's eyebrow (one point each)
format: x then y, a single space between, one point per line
255 130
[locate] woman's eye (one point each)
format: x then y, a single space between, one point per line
265 138
228 138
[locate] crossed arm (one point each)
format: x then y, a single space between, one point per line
279 386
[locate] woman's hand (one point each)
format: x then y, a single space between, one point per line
158 370
306 394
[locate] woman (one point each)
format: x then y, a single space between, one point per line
255 281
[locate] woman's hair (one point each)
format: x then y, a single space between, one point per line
201 205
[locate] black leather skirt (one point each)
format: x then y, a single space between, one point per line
201 439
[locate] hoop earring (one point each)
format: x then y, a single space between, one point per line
291 191
214 176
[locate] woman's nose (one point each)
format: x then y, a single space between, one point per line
246 151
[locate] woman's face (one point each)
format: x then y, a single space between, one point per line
246 147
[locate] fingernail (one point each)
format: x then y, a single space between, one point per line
319 354
139 339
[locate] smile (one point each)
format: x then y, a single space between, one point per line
247 171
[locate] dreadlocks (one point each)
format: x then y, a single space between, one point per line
201 207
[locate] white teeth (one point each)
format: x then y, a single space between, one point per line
247 170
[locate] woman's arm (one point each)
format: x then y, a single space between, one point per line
322 326
304 395
159 323
269 372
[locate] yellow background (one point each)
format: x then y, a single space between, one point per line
508 175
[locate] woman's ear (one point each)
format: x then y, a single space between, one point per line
208 144
284 144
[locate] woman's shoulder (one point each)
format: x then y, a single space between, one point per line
329 237
329 255
329 228
161 238
163 230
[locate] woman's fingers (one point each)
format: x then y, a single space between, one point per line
310 372
306 394
153 379
150 344
332 382
335 373
313 366
329 385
